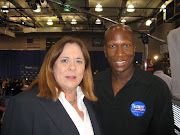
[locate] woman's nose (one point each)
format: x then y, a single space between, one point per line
72 66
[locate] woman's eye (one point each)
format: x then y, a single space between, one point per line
64 60
79 61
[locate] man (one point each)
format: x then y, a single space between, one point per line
130 101
158 68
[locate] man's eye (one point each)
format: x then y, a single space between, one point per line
112 46
126 45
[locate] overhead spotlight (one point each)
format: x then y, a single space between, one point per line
98 8
38 9
73 21
49 22
98 21
148 22
63 1
22 22
4 9
33 6
38 2
130 8
123 20
67 8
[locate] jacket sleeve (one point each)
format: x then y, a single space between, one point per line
17 119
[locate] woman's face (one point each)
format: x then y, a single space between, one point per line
69 67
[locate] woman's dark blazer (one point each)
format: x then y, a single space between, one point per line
28 114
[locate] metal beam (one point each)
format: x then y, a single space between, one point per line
121 10
26 13
56 12
7 32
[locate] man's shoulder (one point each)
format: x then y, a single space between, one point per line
146 77
143 74
102 75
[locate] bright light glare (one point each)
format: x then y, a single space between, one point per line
73 21
156 57
123 20
98 8
98 21
49 22
130 8
38 9
148 22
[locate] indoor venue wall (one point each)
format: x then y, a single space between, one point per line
26 64
20 41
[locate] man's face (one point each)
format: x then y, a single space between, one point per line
119 50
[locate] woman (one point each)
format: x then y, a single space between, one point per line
61 104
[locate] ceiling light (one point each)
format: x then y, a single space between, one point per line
38 9
130 8
67 8
98 8
4 9
23 22
148 22
33 6
123 20
73 21
49 22
98 21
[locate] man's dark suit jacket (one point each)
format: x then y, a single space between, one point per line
28 114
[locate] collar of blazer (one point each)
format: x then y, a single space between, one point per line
61 118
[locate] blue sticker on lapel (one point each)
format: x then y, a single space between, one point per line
138 108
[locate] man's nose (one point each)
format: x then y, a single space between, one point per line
119 51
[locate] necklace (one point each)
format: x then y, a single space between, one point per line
72 102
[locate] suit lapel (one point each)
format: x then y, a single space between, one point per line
59 116
93 117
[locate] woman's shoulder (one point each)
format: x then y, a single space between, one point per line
26 96
28 93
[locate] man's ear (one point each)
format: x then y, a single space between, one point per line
105 53
134 47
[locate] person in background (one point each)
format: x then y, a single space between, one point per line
2 109
158 70
131 101
59 100
1 90
150 65
1 81
4 87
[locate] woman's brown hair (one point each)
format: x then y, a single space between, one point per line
46 81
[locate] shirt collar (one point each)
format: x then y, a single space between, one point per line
159 71
80 97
